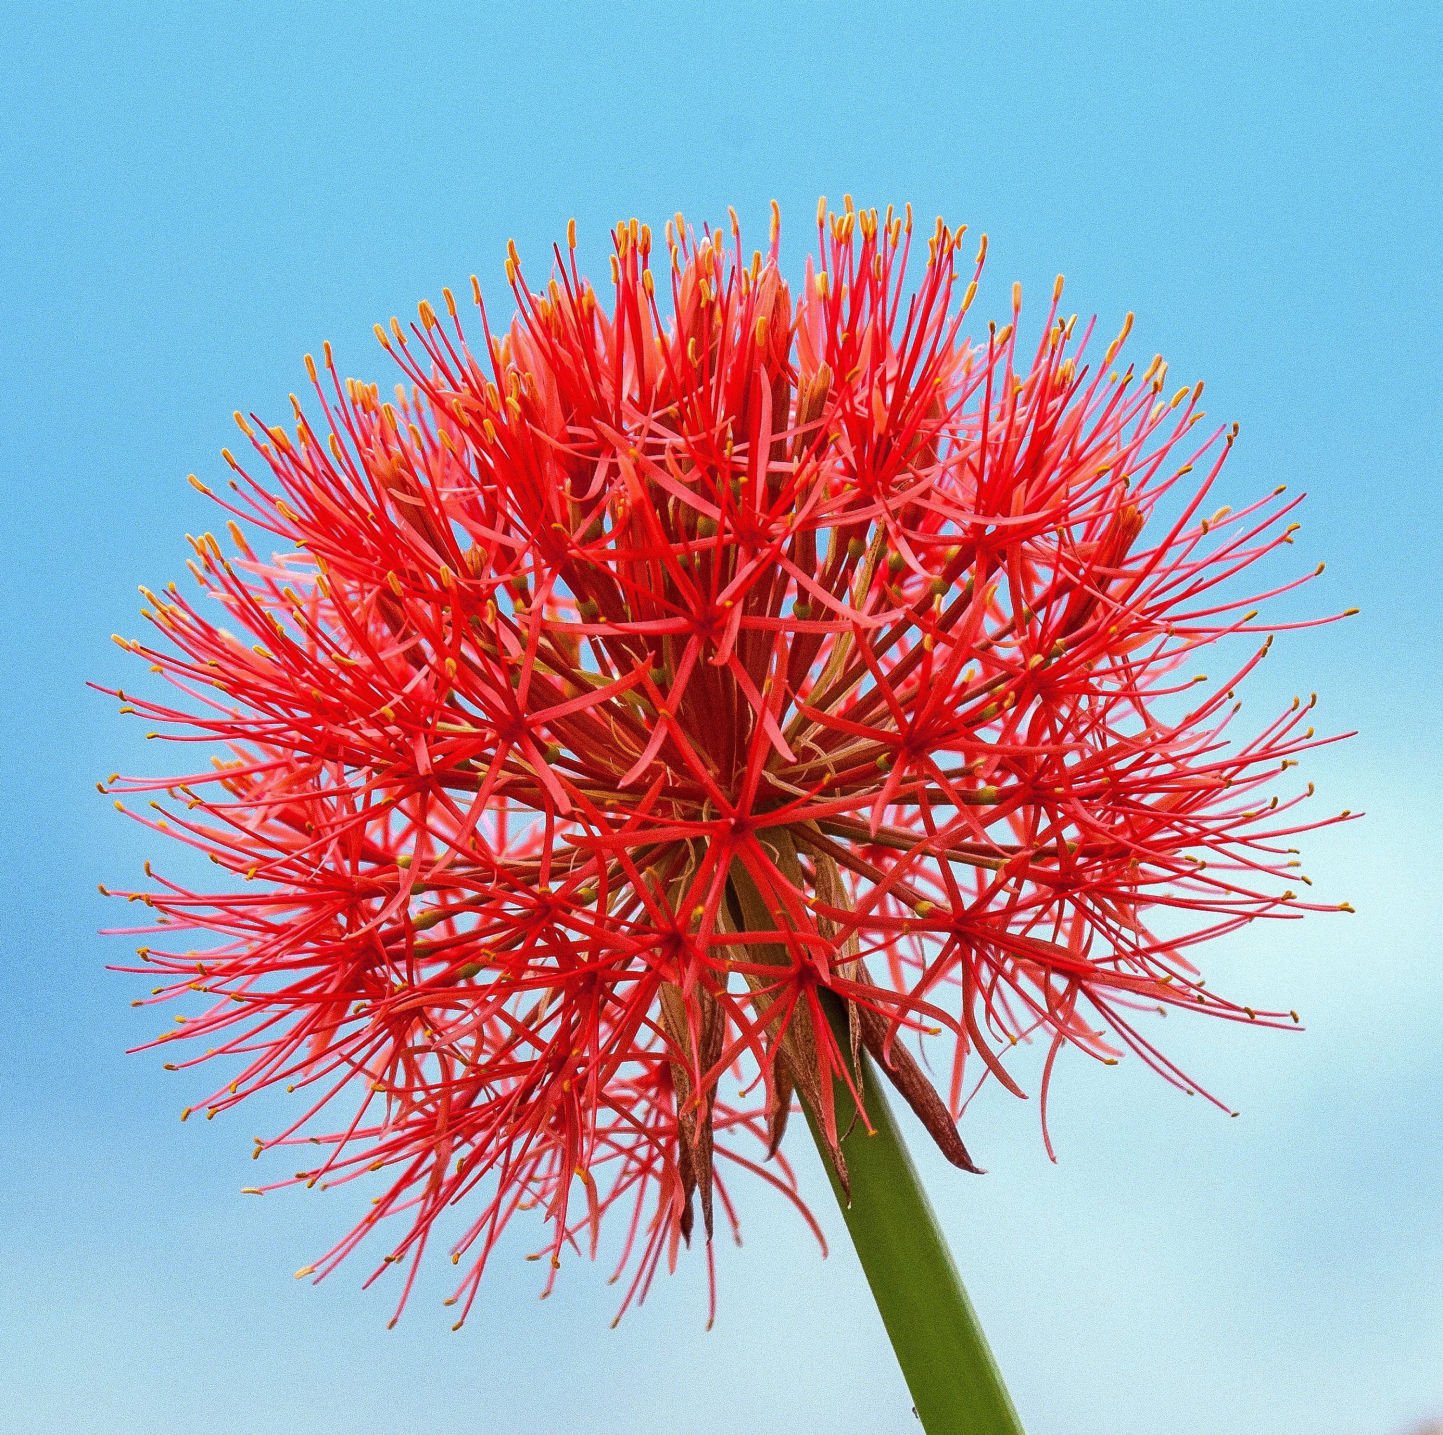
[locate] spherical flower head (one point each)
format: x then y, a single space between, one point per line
712 682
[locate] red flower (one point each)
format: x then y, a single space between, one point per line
643 698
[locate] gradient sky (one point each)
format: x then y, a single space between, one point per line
195 195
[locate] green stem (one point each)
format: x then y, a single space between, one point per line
944 1356
954 1381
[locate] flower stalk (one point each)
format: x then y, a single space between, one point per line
940 1346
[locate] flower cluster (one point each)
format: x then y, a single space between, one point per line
645 696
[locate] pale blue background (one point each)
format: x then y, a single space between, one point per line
196 194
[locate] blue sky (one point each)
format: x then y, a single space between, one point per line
198 194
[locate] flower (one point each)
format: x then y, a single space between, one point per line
643 697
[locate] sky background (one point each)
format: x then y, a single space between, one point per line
196 195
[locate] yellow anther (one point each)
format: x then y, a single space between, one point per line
1118 342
